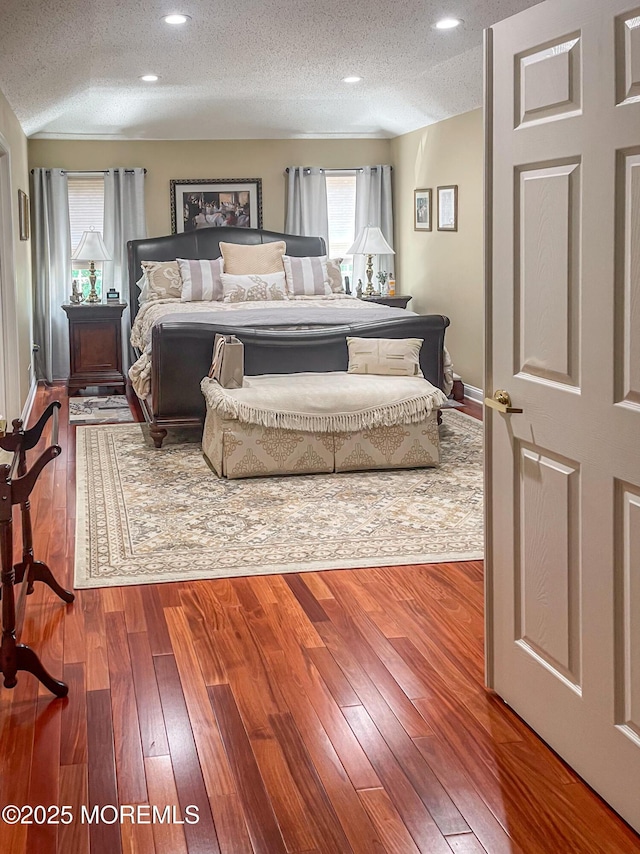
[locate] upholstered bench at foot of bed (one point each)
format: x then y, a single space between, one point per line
237 448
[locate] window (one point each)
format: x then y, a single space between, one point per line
86 211
341 208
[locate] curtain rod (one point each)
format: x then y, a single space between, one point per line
343 169
88 171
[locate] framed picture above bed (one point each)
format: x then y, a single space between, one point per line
203 202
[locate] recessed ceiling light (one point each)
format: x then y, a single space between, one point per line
448 23
176 18
149 78
353 78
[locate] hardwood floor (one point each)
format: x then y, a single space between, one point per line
320 713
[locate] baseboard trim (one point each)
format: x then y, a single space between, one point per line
28 404
473 393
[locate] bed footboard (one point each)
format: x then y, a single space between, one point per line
182 356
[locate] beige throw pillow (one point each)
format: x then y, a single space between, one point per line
242 260
385 356
163 280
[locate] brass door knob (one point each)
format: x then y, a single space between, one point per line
501 401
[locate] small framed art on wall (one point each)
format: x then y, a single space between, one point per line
422 210
448 208
23 215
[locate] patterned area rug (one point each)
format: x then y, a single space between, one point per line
99 410
147 516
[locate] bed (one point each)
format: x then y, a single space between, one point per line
172 341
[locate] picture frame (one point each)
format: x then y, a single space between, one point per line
205 202
23 215
448 208
422 205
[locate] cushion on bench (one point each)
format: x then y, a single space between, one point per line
309 423
324 402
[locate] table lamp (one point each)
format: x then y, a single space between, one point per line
370 242
91 249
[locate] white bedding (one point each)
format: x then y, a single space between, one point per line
154 312
157 310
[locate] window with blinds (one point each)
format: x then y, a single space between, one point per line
86 211
341 208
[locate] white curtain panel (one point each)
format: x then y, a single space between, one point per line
307 203
52 279
124 219
373 207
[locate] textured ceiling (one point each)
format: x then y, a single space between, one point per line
241 68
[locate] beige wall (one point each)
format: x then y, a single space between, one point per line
245 158
17 143
444 270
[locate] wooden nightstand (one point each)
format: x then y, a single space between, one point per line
95 344
394 302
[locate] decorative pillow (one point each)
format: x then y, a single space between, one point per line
201 279
163 280
335 275
144 289
270 286
306 276
385 356
243 260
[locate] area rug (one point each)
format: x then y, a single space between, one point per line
147 515
99 410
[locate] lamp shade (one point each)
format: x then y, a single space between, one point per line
91 248
370 241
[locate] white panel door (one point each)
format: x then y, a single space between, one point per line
563 339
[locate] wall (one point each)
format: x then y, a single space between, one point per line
444 270
248 158
17 143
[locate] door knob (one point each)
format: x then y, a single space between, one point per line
501 401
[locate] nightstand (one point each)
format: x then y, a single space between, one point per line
95 344
394 302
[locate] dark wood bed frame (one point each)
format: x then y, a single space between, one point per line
181 352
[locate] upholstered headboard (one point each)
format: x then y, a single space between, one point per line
205 243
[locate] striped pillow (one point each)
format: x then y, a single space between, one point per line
306 276
201 280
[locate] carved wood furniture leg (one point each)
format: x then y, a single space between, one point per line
27 531
41 572
29 662
157 434
458 390
8 664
